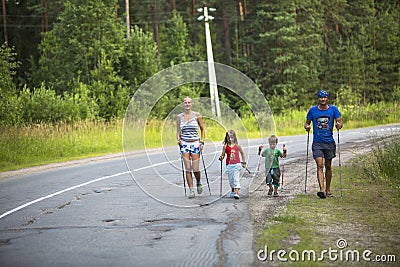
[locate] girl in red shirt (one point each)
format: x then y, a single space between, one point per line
233 163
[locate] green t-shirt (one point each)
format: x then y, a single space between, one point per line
271 157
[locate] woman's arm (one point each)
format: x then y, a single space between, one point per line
201 125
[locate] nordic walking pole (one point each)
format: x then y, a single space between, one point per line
258 164
220 183
340 165
308 141
205 171
283 168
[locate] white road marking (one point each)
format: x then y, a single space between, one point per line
59 192
74 187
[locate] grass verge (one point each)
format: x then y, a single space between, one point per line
366 218
38 144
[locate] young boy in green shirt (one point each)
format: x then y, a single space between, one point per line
272 154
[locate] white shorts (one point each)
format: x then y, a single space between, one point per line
190 147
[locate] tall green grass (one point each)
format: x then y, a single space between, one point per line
382 165
36 144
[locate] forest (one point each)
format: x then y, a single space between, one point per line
70 60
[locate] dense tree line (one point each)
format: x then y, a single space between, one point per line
75 59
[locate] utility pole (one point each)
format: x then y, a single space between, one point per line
210 58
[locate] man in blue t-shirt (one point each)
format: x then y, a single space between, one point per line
322 117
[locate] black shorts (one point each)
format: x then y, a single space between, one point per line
273 177
324 150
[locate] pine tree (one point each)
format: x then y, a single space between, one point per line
293 38
73 47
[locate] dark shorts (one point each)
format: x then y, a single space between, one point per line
273 177
324 150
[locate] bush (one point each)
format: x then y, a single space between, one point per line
44 105
383 163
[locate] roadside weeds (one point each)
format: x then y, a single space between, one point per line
364 219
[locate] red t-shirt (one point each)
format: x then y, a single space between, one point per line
232 154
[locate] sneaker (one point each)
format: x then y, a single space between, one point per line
199 189
232 194
275 194
321 194
270 191
329 194
191 194
236 196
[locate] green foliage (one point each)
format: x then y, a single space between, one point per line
8 89
73 47
396 94
139 61
387 41
44 105
174 48
41 143
383 164
8 68
108 90
347 96
294 46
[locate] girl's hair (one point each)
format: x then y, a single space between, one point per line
273 139
227 139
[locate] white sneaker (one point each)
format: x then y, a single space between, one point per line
236 196
191 194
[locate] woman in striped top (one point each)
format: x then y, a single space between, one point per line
190 143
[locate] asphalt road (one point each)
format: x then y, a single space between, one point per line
133 211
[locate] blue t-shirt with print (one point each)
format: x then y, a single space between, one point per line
323 121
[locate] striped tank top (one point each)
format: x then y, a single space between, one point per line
189 130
